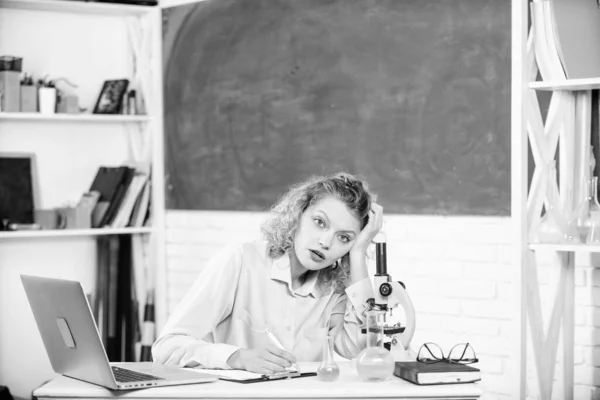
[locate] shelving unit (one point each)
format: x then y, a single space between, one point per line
87 43
563 128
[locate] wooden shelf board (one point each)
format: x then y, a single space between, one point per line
57 233
569 84
101 118
79 7
589 248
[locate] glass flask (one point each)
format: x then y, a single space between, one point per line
328 371
554 227
593 236
588 205
375 363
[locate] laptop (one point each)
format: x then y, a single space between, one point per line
66 324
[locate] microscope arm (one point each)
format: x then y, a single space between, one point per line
400 297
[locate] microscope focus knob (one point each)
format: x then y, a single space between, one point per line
385 289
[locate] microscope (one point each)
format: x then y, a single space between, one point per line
391 294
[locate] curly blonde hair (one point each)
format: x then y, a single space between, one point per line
280 230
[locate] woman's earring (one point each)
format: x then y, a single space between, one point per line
337 263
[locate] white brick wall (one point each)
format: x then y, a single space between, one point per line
457 271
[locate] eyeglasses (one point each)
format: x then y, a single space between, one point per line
462 353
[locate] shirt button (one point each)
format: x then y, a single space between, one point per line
288 328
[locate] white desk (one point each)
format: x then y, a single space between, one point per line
347 386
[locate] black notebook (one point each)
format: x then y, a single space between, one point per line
436 374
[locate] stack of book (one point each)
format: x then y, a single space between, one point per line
124 197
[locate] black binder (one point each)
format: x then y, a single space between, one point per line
112 183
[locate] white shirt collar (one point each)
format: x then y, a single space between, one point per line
281 271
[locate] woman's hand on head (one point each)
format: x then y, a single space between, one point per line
365 237
265 360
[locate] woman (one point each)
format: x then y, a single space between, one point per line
307 278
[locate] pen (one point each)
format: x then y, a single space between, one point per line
278 344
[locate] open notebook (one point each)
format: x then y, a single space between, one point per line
240 376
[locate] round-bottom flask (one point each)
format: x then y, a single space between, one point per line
375 363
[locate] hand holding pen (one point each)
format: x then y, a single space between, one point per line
266 360
279 345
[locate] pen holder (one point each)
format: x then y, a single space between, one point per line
10 86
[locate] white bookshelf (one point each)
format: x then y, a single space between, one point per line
61 233
86 43
84 118
540 338
78 7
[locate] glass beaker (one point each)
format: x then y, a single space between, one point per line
328 371
375 363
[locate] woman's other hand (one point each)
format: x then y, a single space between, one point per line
265 360
365 237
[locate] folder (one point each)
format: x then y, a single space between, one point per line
241 376
266 378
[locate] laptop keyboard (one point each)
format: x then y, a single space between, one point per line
126 375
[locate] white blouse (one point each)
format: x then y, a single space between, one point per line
241 292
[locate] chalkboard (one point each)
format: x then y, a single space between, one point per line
18 191
412 95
